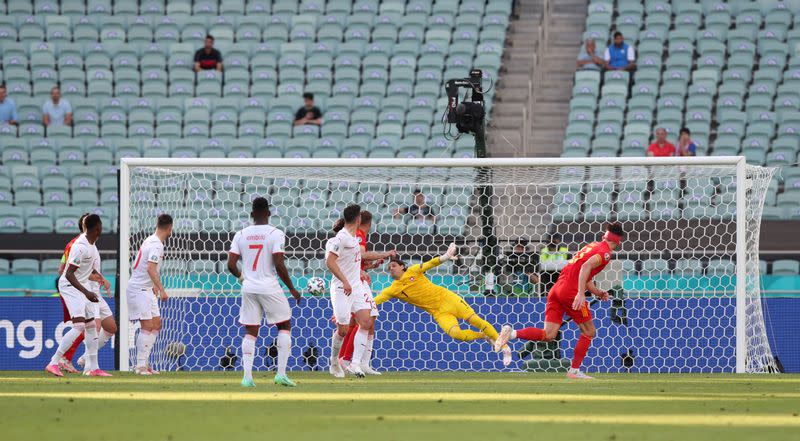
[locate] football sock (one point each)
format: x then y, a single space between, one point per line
347 347
248 354
284 349
536 334
90 341
483 326
367 357
581 348
144 343
104 337
70 354
464 334
360 345
66 342
336 344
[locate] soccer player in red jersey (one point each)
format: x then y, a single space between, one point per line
568 297
66 361
346 354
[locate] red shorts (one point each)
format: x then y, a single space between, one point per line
559 302
64 307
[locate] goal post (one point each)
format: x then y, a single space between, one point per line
686 291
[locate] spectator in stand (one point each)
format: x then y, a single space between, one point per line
590 58
208 57
8 108
620 55
420 210
309 113
552 258
519 270
686 147
661 147
56 111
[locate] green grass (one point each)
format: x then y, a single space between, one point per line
400 406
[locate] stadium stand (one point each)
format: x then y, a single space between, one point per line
127 71
695 69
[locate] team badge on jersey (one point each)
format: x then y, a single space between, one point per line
607 256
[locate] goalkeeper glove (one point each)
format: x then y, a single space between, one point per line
450 254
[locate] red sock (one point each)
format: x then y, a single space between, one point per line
70 354
581 348
347 346
536 334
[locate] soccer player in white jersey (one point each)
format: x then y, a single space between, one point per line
260 247
349 295
143 291
82 261
105 324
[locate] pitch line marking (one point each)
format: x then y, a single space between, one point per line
376 396
727 420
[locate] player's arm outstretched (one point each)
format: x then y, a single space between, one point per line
450 254
584 282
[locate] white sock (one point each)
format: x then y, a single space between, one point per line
144 342
67 341
336 344
513 335
152 344
90 341
284 349
248 355
367 357
104 337
360 345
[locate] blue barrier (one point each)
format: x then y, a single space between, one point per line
666 335
30 329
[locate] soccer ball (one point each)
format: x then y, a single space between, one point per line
316 286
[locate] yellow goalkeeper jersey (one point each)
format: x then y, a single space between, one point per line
416 289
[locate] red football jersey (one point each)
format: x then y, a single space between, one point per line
568 279
362 241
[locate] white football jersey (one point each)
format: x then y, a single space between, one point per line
151 250
346 247
256 244
86 257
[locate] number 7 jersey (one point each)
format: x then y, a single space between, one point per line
256 244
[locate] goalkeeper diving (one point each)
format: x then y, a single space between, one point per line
447 308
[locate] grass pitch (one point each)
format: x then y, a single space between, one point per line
400 406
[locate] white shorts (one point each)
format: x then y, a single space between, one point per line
275 307
101 309
345 306
142 304
77 303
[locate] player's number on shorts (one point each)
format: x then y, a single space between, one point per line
260 248
138 259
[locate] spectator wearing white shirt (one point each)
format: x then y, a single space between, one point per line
590 58
620 55
56 111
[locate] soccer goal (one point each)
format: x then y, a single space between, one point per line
685 284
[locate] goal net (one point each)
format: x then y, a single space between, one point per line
684 285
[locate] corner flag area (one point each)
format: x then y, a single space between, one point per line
400 406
